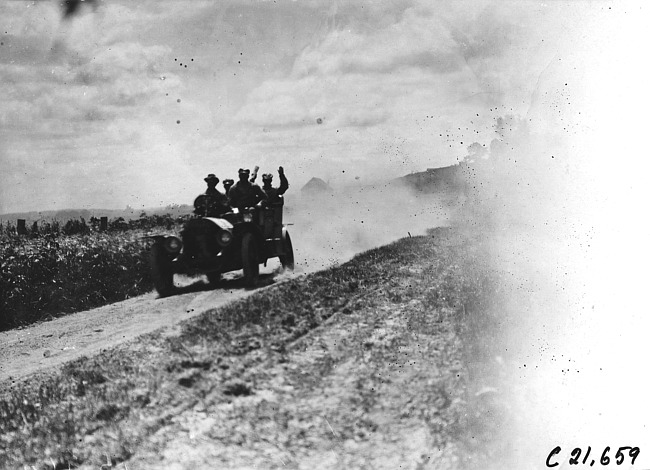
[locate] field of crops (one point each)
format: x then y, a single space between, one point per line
60 269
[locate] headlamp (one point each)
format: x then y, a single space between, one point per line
225 238
173 244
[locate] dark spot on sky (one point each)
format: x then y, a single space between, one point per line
178 100
319 121
71 7
178 122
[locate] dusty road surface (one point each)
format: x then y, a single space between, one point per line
49 344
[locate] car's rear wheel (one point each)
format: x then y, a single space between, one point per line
287 259
250 260
161 270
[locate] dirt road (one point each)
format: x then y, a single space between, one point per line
49 344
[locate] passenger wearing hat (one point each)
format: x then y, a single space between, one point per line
227 184
212 203
212 181
274 193
244 193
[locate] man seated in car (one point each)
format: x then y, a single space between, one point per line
212 203
245 194
227 184
274 194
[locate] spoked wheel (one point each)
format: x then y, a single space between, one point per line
214 278
287 259
250 260
161 270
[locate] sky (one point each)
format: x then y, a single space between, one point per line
133 103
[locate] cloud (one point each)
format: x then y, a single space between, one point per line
416 40
369 88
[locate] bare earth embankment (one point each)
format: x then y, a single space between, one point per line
377 363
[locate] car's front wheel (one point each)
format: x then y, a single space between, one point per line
250 260
161 270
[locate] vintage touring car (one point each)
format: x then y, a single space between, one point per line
237 239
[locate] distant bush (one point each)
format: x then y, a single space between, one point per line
81 227
75 227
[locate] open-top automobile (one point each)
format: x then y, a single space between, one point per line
236 239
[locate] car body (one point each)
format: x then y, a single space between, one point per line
238 239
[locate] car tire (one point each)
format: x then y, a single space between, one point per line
287 259
250 260
161 270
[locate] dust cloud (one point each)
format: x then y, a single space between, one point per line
573 329
328 228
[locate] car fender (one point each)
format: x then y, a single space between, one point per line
221 223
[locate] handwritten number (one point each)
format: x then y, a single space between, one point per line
575 454
548 459
604 460
620 456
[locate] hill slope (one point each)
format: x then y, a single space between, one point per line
362 365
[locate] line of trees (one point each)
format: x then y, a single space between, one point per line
82 227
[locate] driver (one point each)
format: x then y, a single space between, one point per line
245 194
212 203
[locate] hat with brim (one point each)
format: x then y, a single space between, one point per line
244 172
211 177
267 177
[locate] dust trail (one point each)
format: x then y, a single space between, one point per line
571 328
331 228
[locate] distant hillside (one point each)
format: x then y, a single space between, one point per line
69 214
429 181
316 186
434 179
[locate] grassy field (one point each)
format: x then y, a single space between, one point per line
395 338
65 268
